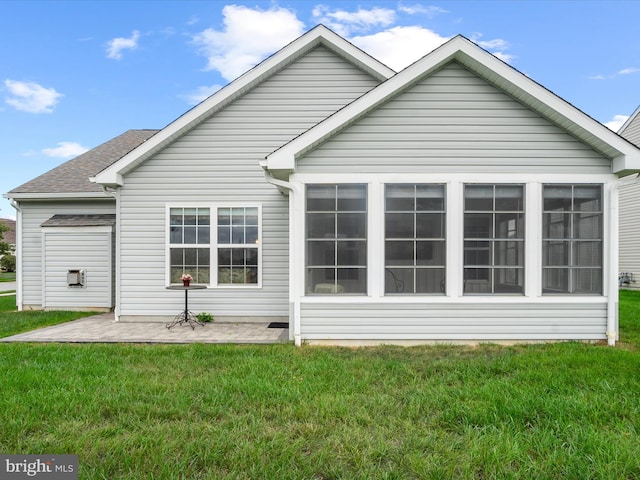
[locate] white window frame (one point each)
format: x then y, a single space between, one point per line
213 242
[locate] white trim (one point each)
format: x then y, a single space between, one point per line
213 244
54 196
533 241
83 229
320 35
624 155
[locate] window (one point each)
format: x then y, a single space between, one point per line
238 245
572 239
494 239
336 239
414 239
231 248
189 239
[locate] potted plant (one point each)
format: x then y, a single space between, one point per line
186 279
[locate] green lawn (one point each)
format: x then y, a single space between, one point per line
565 410
7 277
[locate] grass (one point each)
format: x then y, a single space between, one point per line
7 277
565 410
12 322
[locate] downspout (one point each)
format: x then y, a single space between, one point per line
115 194
612 302
20 275
283 185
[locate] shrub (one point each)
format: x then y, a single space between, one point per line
8 263
205 317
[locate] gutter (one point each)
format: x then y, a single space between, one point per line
613 295
294 313
19 288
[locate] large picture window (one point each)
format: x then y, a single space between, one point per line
336 239
494 239
572 239
189 239
414 239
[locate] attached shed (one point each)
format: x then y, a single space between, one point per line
77 262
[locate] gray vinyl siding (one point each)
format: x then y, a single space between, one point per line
629 228
629 217
456 120
33 215
217 162
468 322
88 251
632 132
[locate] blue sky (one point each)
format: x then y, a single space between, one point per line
74 74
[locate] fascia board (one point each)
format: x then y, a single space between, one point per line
56 196
113 175
624 155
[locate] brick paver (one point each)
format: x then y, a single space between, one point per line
102 329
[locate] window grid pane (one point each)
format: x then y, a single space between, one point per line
414 239
494 221
238 240
572 232
189 237
336 239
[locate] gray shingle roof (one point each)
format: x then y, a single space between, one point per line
73 176
91 220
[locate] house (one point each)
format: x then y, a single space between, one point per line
630 215
456 200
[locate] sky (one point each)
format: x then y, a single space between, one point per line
74 74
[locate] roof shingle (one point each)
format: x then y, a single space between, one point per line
73 176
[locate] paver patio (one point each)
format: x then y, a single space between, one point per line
102 329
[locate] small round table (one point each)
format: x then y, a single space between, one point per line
187 315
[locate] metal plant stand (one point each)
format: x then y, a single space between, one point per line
186 316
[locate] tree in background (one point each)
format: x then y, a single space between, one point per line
5 248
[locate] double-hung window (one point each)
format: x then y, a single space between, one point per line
414 239
231 246
238 240
572 239
494 239
336 239
190 247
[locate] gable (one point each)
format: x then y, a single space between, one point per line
318 36
623 156
226 147
454 119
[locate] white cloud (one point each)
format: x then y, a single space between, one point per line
345 23
399 47
31 97
628 71
249 36
429 11
200 94
617 122
117 45
65 150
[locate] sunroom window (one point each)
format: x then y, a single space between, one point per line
336 239
572 239
494 239
189 239
414 239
